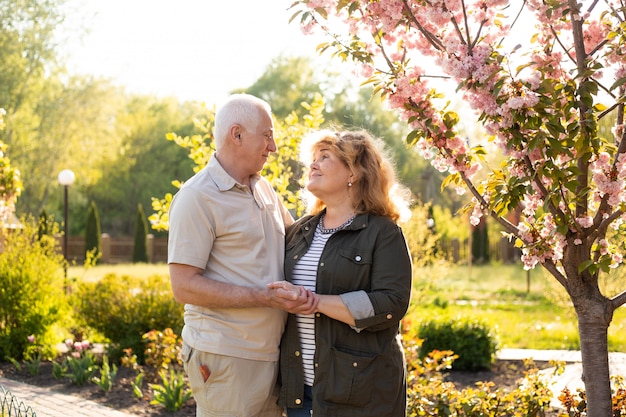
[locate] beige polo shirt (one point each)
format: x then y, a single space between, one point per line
238 237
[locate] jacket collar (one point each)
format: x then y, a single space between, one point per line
308 226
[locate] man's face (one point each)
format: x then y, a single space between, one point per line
259 144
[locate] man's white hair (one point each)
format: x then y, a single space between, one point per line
238 109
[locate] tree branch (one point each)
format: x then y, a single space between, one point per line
619 300
436 43
542 188
552 268
508 226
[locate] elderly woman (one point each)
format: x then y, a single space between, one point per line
346 358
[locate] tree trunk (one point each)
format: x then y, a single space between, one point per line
594 316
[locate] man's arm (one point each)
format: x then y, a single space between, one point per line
191 287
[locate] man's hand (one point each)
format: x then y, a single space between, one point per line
291 298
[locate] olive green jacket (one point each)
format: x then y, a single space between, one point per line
356 373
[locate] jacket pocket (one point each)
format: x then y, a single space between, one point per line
352 271
350 378
356 256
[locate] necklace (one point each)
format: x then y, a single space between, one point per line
334 229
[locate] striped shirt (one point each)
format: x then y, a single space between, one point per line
304 274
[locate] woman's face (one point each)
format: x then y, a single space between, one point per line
328 175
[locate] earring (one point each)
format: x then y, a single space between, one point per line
349 184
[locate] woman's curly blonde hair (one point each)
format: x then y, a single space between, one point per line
376 190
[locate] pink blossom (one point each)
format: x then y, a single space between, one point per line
603 246
586 221
616 260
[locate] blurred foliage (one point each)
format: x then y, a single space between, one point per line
32 297
123 308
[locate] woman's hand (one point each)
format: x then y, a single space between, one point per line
294 299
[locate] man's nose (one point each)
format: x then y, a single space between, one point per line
272 145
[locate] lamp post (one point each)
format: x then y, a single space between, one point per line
66 178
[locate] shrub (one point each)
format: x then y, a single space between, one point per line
32 299
472 341
124 308
162 349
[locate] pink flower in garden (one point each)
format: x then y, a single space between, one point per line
31 338
69 343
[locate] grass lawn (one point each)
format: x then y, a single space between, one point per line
525 310
139 270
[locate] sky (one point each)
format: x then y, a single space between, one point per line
191 49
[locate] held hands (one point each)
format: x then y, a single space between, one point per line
291 298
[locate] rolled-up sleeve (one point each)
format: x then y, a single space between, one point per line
359 305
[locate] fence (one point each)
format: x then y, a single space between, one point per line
500 251
116 249
120 250
10 406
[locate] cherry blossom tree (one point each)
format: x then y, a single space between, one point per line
540 103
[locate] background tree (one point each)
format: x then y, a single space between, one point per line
140 247
144 163
540 106
93 234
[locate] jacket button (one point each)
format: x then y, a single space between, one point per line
318 315
354 364
357 258
317 364
306 227
298 401
297 353
321 263
295 256
389 316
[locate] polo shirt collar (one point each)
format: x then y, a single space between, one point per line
224 181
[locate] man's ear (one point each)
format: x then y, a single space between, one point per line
235 132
